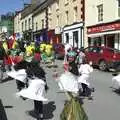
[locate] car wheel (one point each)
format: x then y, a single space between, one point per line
103 65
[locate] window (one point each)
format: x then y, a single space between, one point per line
67 37
75 38
100 12
36 26
29 23
57 4
25 24
75 14
50 10
57 20
42 23
66 13
22 26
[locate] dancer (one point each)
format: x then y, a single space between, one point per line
36 87
85 70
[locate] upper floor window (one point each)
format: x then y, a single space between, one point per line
58 20
50 22
29 23
57 4
22 26
36 26
75 14
49 9
25 24
66 13
100 12
42 21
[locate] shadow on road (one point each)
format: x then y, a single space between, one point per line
47 111
6 80
3 115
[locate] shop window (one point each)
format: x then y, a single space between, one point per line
67 37
100 12
75 38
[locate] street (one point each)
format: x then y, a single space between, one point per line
104 106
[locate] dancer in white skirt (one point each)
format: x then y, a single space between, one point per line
35 90
85 70
116 82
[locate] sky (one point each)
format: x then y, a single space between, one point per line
11 5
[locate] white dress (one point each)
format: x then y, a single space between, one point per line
85 70
68 82
35 90
116 82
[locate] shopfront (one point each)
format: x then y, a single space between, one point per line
104 35
73 34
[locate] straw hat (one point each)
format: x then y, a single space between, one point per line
34 91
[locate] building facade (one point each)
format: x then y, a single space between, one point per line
54 21
17 24
66 19
102 23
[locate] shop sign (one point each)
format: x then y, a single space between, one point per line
103 28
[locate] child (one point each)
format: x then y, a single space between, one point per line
85 70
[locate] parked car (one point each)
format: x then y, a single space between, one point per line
59 50
104 57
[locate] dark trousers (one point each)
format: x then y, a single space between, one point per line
38 106
20 85
85 89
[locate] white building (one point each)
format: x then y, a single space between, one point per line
102 21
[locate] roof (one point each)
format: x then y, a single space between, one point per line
42 6
31 7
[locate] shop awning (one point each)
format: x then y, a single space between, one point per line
103 33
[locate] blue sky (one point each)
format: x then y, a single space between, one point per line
11 5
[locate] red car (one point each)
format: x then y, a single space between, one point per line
59 50
104 57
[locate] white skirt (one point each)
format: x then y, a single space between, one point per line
84 79
68 82
19 75
35 90
116 82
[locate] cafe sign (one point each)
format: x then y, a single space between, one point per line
103 28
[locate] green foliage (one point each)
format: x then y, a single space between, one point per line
73 110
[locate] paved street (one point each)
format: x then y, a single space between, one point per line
104 106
